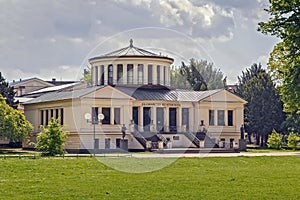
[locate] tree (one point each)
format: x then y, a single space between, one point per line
275 140
13 124
51 139
7 92
87 75
284 60
293 141
263 112
200 75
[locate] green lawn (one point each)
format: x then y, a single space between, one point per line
187 178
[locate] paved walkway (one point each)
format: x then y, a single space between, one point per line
191 155
199 155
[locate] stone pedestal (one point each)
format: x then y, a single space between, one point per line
242 145
124 144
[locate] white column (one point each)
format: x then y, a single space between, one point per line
114 74
112 115
99 74
179 118
140 112
124 73
145 70
167 128
153 117
226 117
135 74
154 74
162 75
105 74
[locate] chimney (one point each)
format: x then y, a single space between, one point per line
53 80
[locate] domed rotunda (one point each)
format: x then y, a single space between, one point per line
131 66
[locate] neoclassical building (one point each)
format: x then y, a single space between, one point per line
130 105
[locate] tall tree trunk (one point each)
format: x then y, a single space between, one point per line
249 138
257 138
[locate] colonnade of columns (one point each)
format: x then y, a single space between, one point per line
126 73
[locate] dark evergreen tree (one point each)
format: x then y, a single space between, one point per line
7 92
263 112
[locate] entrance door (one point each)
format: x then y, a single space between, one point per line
135 117
160 119
173 120
146 118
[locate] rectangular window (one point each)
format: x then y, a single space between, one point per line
130 73
107 143
230 117
158 74
140 73
106 113
47 117
102 75
95 113
221 118
211 117
150 81
51 113
42 117
110 75
117 116
118 143
120 73
56 114
62 116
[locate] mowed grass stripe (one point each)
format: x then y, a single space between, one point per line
187 178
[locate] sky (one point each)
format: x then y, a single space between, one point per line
55 39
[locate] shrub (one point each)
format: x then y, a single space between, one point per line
293 141
51 139
275 140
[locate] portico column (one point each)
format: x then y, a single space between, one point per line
135 74
179 118
114 74
105 74
93 75
153 117
167 128
140 125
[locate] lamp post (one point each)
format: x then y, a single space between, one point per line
94 121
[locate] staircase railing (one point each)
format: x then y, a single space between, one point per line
192 138
140 138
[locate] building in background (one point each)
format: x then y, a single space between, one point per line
131 106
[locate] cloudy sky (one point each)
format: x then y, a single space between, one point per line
54 39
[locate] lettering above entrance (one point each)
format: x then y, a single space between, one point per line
162 104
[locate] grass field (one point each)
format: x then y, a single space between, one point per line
187 178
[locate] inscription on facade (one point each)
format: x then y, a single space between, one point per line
162 104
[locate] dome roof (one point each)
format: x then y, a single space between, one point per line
131 51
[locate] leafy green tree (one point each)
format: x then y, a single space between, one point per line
284 60
7 92
177 80
263 112
275 140
200 75
87 75
13 124
293 141
51 139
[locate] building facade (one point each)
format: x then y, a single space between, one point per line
131 106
